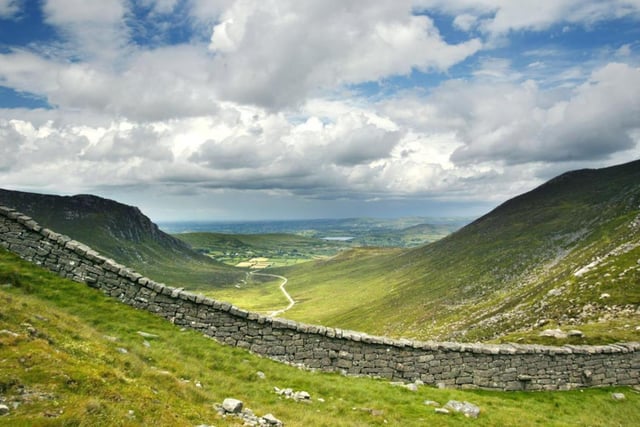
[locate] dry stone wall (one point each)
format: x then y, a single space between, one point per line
502 367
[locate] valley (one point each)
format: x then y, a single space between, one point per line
562 257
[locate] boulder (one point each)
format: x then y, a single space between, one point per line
233 406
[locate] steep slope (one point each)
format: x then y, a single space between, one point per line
123 233
511 270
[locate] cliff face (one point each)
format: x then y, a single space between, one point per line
123 233
85 217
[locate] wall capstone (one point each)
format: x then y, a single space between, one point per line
461 365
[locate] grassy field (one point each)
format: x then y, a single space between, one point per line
73 357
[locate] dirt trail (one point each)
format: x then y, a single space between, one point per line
284 291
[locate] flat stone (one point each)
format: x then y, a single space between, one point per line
441 411
466 408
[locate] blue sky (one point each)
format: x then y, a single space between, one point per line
279 109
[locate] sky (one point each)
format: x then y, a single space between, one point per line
285 109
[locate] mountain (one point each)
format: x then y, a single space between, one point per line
125 234
565 254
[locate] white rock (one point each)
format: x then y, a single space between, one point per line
411 387
431 403
231 405
441 411
575 333
618 396
4 409
468 409
604 295
261 375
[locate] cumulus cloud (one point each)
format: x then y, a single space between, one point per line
520 123
274 54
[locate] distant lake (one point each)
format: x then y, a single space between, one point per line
338 239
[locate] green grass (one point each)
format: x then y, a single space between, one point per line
66 368
280 249
256 293
491 278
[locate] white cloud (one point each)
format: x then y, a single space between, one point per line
95 30
519 123
498 17
9 8
275 54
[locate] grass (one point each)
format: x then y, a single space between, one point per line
62 351
493 278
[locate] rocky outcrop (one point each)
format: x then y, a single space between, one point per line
501 367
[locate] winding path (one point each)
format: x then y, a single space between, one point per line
284 291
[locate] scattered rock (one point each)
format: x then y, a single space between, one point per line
261 375
4 410
147 335
10 333
604 295
411 387
618 396
272 421
146 343
553 333
441 411
122 350
233 406
555 292
575 333
298 396
431 403
466 408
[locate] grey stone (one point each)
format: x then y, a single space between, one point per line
232 406
618 396
466 408
4 409
272 421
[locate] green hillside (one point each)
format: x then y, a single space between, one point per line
73 357
123 233
509 271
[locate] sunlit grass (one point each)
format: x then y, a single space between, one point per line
74 362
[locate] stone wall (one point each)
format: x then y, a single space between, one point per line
502 367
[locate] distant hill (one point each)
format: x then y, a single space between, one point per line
511 271
123 233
